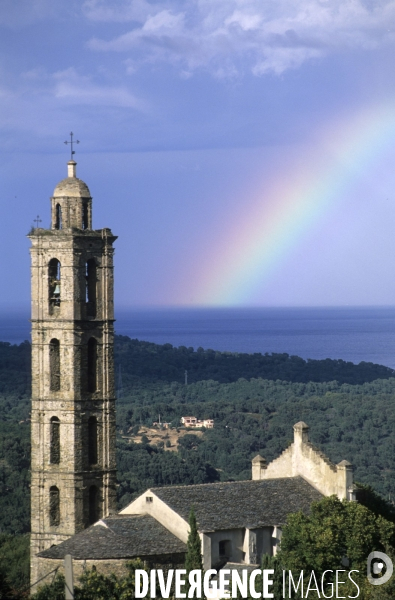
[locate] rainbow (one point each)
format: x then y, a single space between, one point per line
251 248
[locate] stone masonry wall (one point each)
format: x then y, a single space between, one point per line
302 458
67 320
118 567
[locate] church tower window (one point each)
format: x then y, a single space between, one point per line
85 220
94 504
92 441
92 365
54 454
54 283
91 282
54 506
54 365
58 217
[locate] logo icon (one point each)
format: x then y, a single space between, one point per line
376 563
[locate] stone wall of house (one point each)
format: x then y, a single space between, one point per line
118 567
233 540
302 458
241 545
148 503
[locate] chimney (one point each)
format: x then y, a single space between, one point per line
346 480
301 433
258 466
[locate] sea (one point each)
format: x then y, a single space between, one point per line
350 333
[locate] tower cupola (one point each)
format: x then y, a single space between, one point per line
71 203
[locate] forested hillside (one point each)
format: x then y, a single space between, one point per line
356 423
148 362
145 362
254 399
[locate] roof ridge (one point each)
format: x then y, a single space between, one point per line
215 483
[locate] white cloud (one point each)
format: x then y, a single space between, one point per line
158 29
228 36
118 11
164 22
278 60
43 100
77 89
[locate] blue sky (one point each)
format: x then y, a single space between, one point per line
187 112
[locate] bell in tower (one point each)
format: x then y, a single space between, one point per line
73 394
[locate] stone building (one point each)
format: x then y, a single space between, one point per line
303 459
73 397
238 521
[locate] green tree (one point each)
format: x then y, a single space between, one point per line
51 591
334 531
5 588
94 586
272 562
193 557
14 553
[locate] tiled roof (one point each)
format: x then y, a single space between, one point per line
218 506
119 537
240 503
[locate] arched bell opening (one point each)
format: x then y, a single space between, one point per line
54 283
58 217
85 216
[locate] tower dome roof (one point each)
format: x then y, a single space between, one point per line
71 186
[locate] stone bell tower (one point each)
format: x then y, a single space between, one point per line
73 397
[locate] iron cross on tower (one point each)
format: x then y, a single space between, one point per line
71 142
